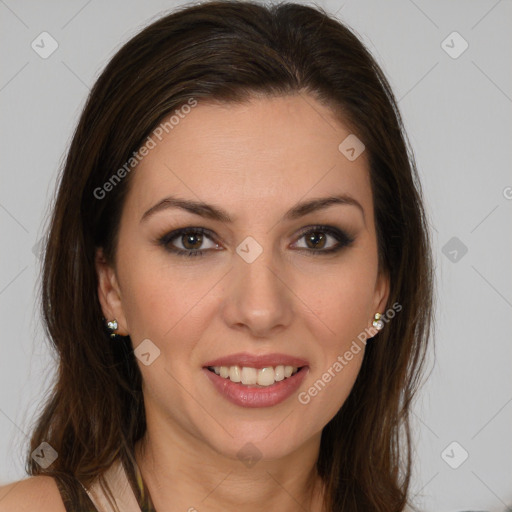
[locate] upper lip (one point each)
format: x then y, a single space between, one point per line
257 361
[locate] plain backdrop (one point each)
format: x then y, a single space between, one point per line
457 107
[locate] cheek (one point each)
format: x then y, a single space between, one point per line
342 304
342 299
324 395
165 301
338 356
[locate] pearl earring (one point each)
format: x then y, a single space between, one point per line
377 322
112 326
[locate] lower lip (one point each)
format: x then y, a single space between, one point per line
251 396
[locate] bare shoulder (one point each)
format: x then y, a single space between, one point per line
34 493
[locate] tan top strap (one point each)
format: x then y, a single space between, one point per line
124 498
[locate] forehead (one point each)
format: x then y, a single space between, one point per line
265 153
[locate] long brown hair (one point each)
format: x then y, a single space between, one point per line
227 51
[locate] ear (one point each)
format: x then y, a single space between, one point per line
109 293
381 293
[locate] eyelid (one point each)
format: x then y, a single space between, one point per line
343 238
166 238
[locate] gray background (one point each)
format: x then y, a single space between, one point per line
457 113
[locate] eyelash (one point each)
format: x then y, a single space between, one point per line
344 240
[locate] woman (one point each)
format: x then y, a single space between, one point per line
275 368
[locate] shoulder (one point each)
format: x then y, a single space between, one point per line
34 493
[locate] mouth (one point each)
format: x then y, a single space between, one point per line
256 381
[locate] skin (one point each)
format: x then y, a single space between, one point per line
255 160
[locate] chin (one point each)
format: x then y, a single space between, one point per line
252 441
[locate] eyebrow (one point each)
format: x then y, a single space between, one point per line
212 212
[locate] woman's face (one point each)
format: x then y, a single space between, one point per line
260 291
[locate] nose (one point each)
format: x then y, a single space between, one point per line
258 300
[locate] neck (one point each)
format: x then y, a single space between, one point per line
183 473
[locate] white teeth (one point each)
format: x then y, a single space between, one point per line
234 374
254 376
279 373
266 376
249 375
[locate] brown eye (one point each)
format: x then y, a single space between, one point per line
192 241
188 242
317 239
